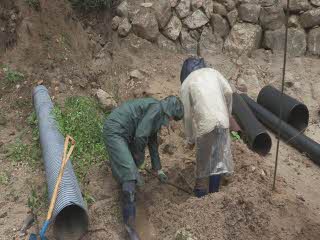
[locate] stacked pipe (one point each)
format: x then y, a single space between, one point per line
256 134
70 214
294 113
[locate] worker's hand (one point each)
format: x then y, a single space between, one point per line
162 176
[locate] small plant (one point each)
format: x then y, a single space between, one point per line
235 136
4 178
11 76
91 4
82 118
35 4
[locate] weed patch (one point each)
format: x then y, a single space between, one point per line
11 76
82 118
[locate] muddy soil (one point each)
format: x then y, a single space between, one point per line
69 56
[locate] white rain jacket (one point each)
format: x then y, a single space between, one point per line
207 100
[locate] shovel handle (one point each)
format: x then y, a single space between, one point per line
65 159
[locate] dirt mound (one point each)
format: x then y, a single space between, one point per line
245 209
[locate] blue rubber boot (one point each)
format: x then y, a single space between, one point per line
214 183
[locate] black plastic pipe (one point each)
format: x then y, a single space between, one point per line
294 112
287 132
256 134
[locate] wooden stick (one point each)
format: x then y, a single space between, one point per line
63 165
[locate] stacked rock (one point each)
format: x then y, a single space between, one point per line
236 27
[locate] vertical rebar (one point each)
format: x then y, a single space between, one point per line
282 90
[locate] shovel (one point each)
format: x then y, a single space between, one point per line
65 159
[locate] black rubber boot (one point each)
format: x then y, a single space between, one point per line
200 192
129 208
129 202
214 183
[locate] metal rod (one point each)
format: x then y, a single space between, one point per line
282 90
169 183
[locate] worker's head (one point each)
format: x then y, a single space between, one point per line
189 65
173 108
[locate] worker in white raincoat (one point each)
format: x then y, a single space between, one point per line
207 100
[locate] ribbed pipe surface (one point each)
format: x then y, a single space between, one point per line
70 213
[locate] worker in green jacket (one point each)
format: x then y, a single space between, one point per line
128 130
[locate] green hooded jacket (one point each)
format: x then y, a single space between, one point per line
133 126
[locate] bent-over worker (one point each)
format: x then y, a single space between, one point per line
128 130
207 100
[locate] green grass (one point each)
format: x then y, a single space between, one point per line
82 118
35 4
91 4
11 76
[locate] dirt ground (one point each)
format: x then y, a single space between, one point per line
68 53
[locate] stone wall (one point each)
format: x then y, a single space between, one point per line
215 26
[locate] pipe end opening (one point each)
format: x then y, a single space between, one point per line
71 223
262 144
299 117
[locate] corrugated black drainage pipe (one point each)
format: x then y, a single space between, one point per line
287 132
69 216
256 134
294 112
